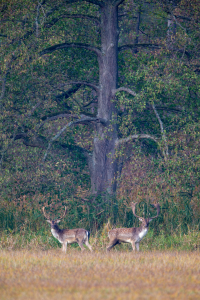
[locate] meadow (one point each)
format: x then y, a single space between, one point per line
32 268
117 275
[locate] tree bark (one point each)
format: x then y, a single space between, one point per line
102 164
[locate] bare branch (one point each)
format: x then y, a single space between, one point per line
130 46
58 116
143 32
170 109
175 19
86 119
84 83
117 2
183 17
97 2
41 142
36 142
37 21
3 89
34 108
137 31
65 95
166 153
88 104
72 45
125 90
83 119
73 16
135 136
125 14
65 115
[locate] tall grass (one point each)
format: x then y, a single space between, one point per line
44 240
23 225
26 214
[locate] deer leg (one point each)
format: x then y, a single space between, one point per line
112 244
80 243
137 246
88 245
133 245
64 247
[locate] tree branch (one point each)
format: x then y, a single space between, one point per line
72 45
130 46
67 95
88 104
117 2
125 90
95 87
35 142
135 136
137 31
3 89
73 16
33 109
170 109
166 153
58 116
41 142
82 120
37 20
97 2
63 115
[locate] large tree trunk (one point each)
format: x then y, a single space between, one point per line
103 165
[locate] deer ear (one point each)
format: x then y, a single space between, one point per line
49 221
57 221
141 219
150 220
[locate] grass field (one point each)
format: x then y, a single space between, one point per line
26 274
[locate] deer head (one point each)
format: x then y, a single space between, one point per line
145 222
53 222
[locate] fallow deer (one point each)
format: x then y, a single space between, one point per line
131 235
68 236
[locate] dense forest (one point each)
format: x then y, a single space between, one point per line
100 106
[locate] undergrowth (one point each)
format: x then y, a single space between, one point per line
45 241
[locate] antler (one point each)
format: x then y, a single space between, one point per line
47 217
133 204
157 206
65 212
43 209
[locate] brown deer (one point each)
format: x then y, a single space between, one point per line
68 236
131 235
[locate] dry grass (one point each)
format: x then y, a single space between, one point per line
117 275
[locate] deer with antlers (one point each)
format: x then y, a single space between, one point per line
131 235
68 236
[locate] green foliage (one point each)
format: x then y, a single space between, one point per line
167 77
